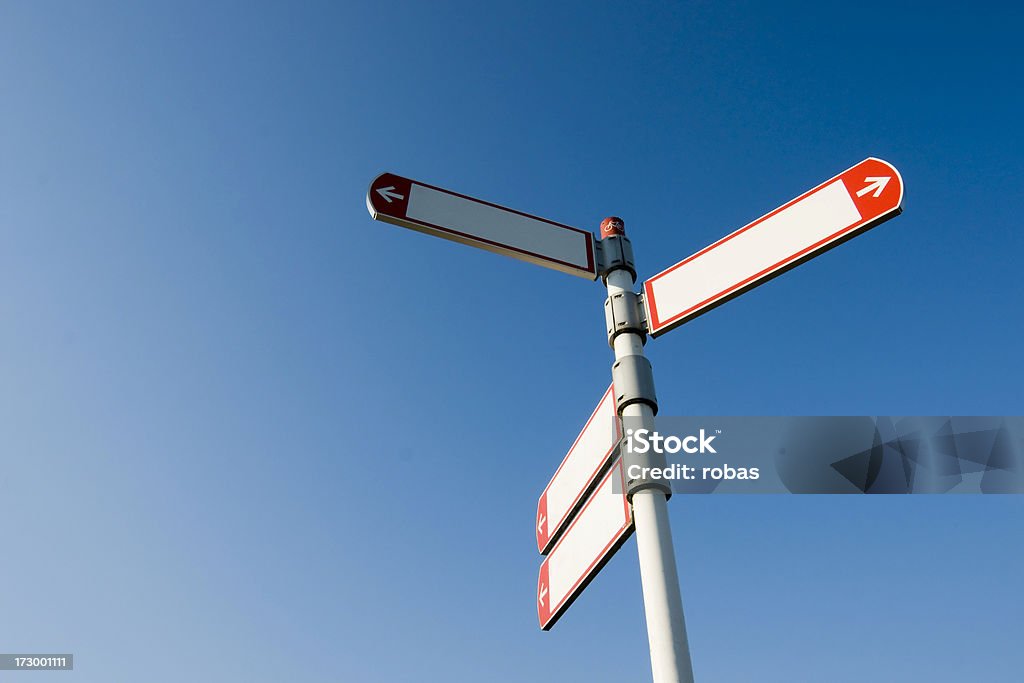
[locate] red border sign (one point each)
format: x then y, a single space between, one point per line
586 460
840 208
457 217
603 524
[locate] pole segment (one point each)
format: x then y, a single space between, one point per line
663 604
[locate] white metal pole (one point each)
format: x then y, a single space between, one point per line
663 603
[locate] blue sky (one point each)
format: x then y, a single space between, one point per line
249 434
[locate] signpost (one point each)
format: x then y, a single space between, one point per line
442 213
845 206
590 507
601 527
580 469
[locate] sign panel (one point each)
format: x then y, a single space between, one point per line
603 524
443 213
579 471
845 206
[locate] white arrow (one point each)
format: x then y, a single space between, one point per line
876 183
543 594
540 523
386 193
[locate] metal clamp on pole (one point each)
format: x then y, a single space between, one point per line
614 250
623 313
640 458
634 383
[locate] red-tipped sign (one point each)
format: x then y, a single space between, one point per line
845 206
443 213
603 524
586 460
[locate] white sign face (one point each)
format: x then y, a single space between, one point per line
579 471
442 213
603 524
854 201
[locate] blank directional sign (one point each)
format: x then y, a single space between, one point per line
442 213
603 524
850 203
587 458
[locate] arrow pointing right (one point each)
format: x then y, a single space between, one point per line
876 183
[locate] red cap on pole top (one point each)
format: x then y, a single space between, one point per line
612 225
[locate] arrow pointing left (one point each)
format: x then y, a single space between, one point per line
388 193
